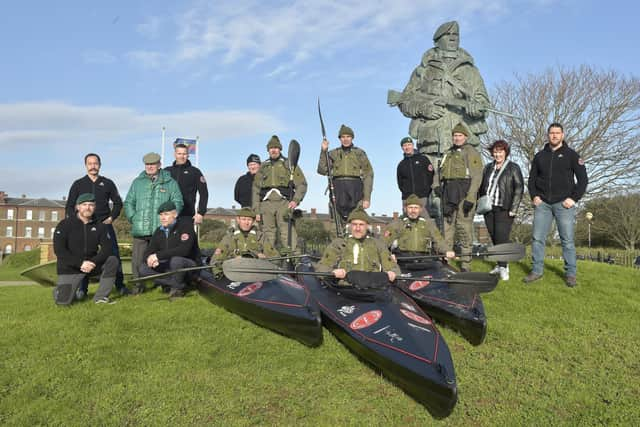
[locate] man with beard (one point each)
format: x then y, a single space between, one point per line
104 191
83 246
244 184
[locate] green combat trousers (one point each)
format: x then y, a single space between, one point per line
459 228
274 215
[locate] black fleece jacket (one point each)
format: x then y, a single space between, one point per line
191 181
556 175
75 242
180 241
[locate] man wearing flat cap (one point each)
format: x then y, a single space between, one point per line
174 245
358 251
83 247
243 240
274 200
148 191
458 182
244 185
351 171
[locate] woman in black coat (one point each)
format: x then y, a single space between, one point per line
502 183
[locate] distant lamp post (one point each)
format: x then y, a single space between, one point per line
589 217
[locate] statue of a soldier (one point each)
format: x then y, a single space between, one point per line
445 89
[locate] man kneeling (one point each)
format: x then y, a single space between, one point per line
83 247
173 246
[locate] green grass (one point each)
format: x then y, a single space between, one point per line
13 264
553 355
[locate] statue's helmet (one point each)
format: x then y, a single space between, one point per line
445 28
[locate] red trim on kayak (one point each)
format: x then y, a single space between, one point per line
284 304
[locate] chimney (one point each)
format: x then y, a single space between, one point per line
24 196
64 198
396 215
314 213
233 207
3 196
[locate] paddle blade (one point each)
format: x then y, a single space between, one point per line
294 154
477 282
249 270
506 252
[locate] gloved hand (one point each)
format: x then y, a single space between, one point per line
437 191
466 208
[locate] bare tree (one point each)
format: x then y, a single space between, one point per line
600 112
617 218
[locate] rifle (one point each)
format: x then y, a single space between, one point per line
394 98
332 194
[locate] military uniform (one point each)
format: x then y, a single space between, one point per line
238 243
271 196
460 178
367 254
415 235
352 175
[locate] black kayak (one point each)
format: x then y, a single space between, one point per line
391 332
461 311
282 305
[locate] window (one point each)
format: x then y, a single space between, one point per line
9 232
40 232
29 214
27 248
54 215
8 249
27 232
41 215
9 215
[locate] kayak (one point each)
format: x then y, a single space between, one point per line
46 274
390 331
459 310
281 305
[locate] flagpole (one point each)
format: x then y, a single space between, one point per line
197 151
162 153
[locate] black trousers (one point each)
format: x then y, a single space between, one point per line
499 225
349 193
175 281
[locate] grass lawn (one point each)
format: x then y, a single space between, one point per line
552 356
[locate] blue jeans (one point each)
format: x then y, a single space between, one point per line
543 215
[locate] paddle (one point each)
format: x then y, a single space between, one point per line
504 252
294 155
259 270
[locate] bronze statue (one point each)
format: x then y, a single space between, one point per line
444 90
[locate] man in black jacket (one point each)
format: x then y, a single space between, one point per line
191 181
415 175
104 191
557 180
244 185
83 247
173 246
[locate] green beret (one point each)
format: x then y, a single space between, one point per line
414 200
359 213
85 197
346 130
446 28
460 128
248 212
406 140
151 158
167 207
274 142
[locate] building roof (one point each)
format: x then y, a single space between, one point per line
36 203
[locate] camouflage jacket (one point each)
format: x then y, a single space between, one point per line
352 162
367 254
415 235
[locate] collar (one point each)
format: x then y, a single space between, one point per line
167 229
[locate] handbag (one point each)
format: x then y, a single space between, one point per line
483 205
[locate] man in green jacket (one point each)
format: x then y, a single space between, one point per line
148 191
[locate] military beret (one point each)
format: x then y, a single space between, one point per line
274 142
406 140
85 197
359 213
460 128
167 207
413 200
248 212
253 158
151 158
345 130
445 28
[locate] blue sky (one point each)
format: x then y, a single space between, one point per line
82 76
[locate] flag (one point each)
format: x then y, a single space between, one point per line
190 143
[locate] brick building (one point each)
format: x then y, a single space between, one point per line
25 222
